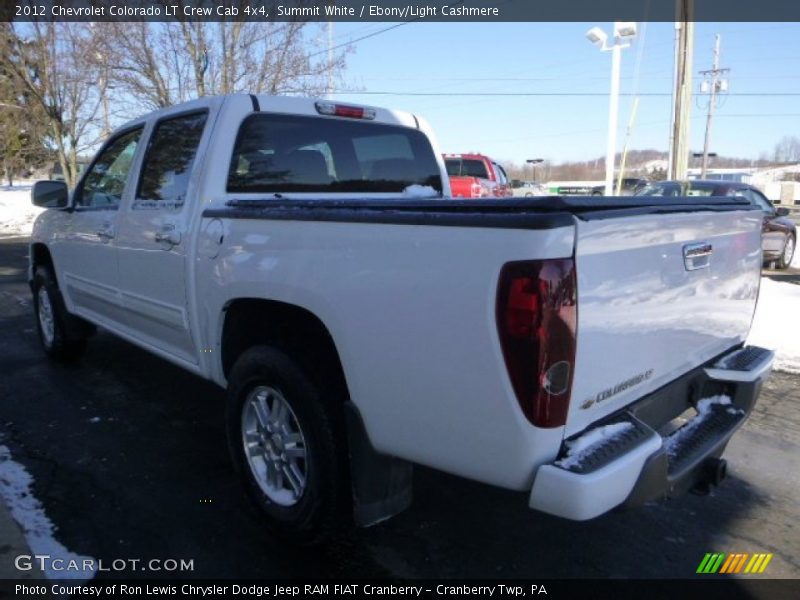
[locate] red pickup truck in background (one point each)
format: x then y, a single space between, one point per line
476 176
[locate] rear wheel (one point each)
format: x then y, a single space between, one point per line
788 253
62 335
287 442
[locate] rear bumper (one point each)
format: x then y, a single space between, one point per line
658 451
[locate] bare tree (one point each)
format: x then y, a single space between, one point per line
47 62
787 150
22 131
160 64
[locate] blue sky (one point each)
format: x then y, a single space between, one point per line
449 58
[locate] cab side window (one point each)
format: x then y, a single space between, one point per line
502 178
168 162
759 200
104 183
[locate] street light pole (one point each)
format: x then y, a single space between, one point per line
613 110
533 162
623 33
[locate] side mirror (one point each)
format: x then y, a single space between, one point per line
782 211
50 194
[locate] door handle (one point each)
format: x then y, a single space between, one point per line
168 235
105 234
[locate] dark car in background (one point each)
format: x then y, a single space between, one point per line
629 187
779 233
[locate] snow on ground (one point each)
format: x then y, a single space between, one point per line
25 509
777 323
17 214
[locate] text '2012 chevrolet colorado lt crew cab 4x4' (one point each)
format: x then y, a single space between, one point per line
302 255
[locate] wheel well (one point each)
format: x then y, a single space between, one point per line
40 256
292 329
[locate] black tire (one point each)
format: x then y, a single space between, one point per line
65 340
597 193
324 506
784 261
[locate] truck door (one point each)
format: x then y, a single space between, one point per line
85 253
153 243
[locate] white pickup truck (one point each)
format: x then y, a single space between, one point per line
305 256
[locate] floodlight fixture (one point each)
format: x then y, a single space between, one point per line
597 36
625 30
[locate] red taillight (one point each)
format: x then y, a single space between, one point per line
536 320
475 190
344 110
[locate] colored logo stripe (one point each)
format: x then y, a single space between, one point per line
711 563
719 562
734 563
758 563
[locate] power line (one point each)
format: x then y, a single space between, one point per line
555 94
370 35
359 39
770 115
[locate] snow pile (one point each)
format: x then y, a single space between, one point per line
17 214
579 448
15 491
777 323
420 191
704 410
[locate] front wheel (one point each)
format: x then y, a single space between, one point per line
287 442
788 253
59 332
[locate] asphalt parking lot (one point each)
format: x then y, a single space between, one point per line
129 458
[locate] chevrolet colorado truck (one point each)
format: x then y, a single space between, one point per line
305 256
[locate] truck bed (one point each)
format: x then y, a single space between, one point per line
412 310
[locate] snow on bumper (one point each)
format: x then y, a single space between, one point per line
626 461
582 496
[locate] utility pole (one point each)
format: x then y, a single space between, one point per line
679 149
712 84
632 120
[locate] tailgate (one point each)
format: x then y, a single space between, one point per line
658 294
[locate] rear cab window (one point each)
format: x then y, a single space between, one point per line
469 167
293 153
